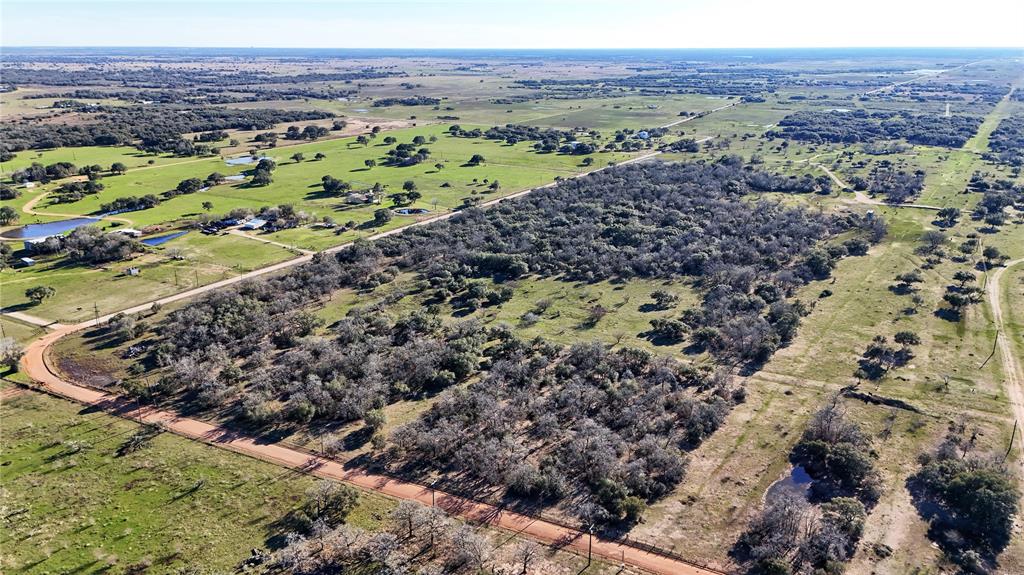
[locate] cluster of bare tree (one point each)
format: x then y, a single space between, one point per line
896 186
816 533
651 221
603 432
1007 141
415 539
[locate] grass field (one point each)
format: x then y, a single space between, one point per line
82 290
515 167
605 114
74 505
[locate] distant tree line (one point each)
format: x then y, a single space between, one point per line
170 77
1007 141
864 126
151 128
406 101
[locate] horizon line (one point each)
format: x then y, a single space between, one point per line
581 49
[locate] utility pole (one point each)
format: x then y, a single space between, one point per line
1012 436
590 543
96 312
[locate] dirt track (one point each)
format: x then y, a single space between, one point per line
862 198
1011 367
36 365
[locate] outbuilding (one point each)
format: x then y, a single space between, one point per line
254 224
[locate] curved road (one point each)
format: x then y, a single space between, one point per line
36 365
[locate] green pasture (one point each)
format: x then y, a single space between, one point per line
82 290
75 506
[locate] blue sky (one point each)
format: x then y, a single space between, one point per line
512 24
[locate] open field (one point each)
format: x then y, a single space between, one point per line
168 505
953 375
74 504
83 291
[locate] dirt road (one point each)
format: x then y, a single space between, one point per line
1011 365
862 198
309 256
29 208
691 118
36 364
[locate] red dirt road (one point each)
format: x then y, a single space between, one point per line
35 363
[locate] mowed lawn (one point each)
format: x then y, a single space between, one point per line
74 505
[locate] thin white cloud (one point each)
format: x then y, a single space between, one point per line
513 24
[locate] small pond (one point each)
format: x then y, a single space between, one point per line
33 231
411 211
243 160
797 482
163 239
235 178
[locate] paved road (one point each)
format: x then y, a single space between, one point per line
36 365
920 77
38 321
309 256
691 118
1011 366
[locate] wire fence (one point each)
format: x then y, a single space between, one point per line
625 539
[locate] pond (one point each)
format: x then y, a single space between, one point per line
163 239
235 178
243 160
797 482
411 211
34 231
